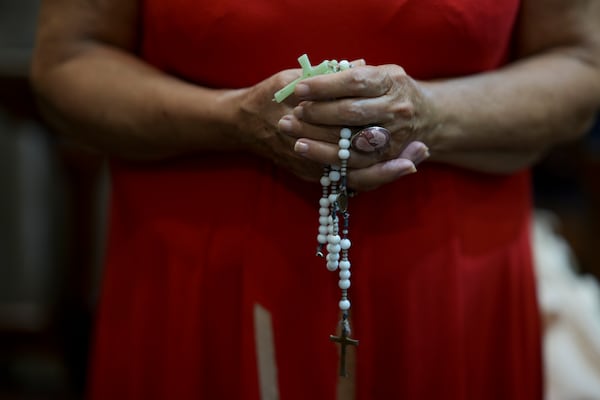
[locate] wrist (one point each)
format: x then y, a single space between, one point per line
211 123
435 129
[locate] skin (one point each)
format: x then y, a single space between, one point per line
93 90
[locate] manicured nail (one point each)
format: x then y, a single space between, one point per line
422 156
407 171
416 151
401 166
285 124
300 147
302 90
299 112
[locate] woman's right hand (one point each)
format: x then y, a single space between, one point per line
256 125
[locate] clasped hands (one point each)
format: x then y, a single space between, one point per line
364 95
306 126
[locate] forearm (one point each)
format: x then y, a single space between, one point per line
503 120
108 99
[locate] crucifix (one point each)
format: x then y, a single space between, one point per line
344 340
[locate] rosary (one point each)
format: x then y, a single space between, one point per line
333 203
334 217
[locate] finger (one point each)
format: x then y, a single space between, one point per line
291 126
416 151
362 81
327 154
346 112
379 174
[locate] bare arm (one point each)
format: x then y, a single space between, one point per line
499 121
93 89
549 96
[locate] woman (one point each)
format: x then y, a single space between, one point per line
215 192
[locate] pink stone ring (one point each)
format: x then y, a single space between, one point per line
370 139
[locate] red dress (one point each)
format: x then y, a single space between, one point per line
443 293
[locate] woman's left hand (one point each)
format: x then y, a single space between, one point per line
366 95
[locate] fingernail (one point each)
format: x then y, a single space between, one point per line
407 171
401 166
284 124
299 112
416 151
423 155
302 90
300 147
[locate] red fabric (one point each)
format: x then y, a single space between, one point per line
443 291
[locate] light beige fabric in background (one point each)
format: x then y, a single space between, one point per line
570 304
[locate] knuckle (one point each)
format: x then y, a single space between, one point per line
405 110
373 80
360 78
387 83
384 79
354 113
397 73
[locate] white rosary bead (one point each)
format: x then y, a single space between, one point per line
332 198
324 220
334 239
345 243
344 143
325 181
332 266
345 274
344 65
324 211
345 133
323 230
322 239
344 284
333 256
344 305
344 154
345 265
324 202
334 176
334 248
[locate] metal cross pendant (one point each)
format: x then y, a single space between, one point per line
344 340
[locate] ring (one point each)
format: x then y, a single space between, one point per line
370 139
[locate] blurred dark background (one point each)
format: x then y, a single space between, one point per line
52 212
52 199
